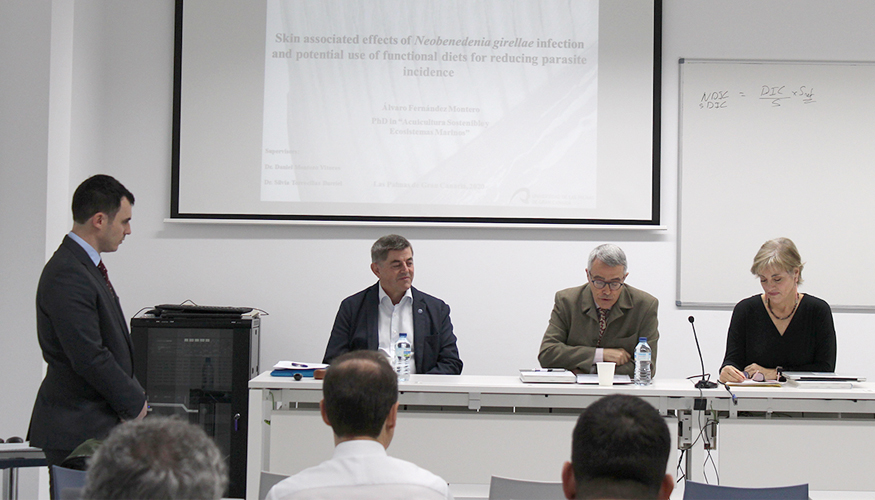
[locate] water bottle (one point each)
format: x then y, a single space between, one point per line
642 362
402 358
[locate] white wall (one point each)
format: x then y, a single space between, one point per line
499 282
24 82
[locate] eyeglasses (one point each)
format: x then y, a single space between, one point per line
756 377
613 285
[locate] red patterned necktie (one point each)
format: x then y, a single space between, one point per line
603 323
102 269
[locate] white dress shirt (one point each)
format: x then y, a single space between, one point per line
395 319
359 462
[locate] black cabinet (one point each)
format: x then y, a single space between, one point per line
199 369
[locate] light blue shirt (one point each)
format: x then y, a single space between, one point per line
95 256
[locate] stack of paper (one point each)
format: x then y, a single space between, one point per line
548 376
593 379
290 368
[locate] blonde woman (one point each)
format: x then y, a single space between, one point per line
780 329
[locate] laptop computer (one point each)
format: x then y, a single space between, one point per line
822 377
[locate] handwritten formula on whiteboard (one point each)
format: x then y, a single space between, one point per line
773 95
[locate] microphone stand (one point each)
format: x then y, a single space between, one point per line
704 383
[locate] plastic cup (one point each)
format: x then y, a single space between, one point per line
606 372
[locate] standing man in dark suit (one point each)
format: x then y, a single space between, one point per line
89 385
373 318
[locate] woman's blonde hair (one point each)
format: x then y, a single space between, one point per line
780 253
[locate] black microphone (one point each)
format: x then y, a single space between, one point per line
704 383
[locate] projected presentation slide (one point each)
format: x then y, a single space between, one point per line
417 110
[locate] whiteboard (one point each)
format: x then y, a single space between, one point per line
769 149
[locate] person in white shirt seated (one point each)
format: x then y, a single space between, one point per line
360 403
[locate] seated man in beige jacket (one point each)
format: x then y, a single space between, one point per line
601 320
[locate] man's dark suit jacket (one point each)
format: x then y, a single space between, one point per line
434 344
89 385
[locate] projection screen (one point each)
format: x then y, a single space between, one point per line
418 111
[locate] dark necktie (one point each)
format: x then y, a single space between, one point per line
102 269
603 323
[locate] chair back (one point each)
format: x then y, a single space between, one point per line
67 484
369 492
268 479
701 491
503 488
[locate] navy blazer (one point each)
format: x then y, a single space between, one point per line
434 344
89 385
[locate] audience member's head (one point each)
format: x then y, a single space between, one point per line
619 450
157 458
360 395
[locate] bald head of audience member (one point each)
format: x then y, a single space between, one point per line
360 397
620 448
157 458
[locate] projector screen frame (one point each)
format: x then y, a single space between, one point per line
651 222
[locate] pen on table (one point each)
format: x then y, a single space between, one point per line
300 365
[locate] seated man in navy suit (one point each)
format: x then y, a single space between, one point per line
373 318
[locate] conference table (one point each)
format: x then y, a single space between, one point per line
467 428
14 456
